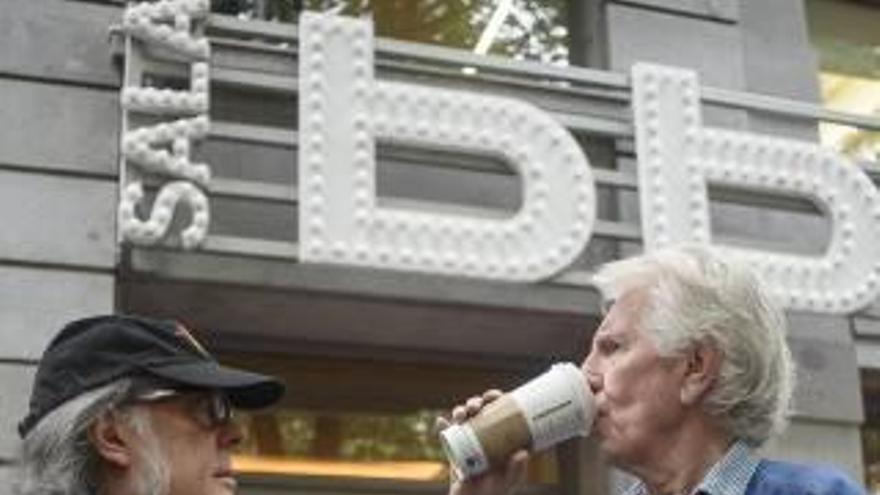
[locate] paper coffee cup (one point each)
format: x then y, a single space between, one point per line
553 407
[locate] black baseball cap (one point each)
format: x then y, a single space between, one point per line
93 352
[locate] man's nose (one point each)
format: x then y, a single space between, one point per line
229 435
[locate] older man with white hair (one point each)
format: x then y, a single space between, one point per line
691 373
123 405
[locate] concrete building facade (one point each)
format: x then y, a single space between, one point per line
391 340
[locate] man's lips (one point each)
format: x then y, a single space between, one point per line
224 472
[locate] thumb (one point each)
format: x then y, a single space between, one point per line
517 467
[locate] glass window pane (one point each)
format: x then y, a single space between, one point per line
297 441
847 42
362 418
521 29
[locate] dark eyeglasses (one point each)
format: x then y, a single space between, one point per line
211 409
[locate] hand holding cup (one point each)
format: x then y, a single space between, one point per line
500 480
487 430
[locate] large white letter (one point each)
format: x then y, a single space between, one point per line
164 148
678 156
343 110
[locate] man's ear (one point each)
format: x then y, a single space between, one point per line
703 364
113 440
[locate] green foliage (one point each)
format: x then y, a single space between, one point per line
379 438
360 437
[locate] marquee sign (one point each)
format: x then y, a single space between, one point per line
677 157
344 109
164 148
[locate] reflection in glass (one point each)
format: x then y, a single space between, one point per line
533 30
855 95
341 444
847 42
356 444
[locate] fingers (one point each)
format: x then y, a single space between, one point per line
459 414
473 405
491 394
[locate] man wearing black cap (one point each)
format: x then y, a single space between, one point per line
123 405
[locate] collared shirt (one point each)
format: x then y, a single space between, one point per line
729 476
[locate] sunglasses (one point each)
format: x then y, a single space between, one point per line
211 409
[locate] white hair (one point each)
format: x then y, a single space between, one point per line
57 457
696 296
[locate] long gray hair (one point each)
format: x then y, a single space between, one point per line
57 457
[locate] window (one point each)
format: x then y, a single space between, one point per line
375 444
847 40
535 30
362 418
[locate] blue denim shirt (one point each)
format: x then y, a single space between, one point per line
741 472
